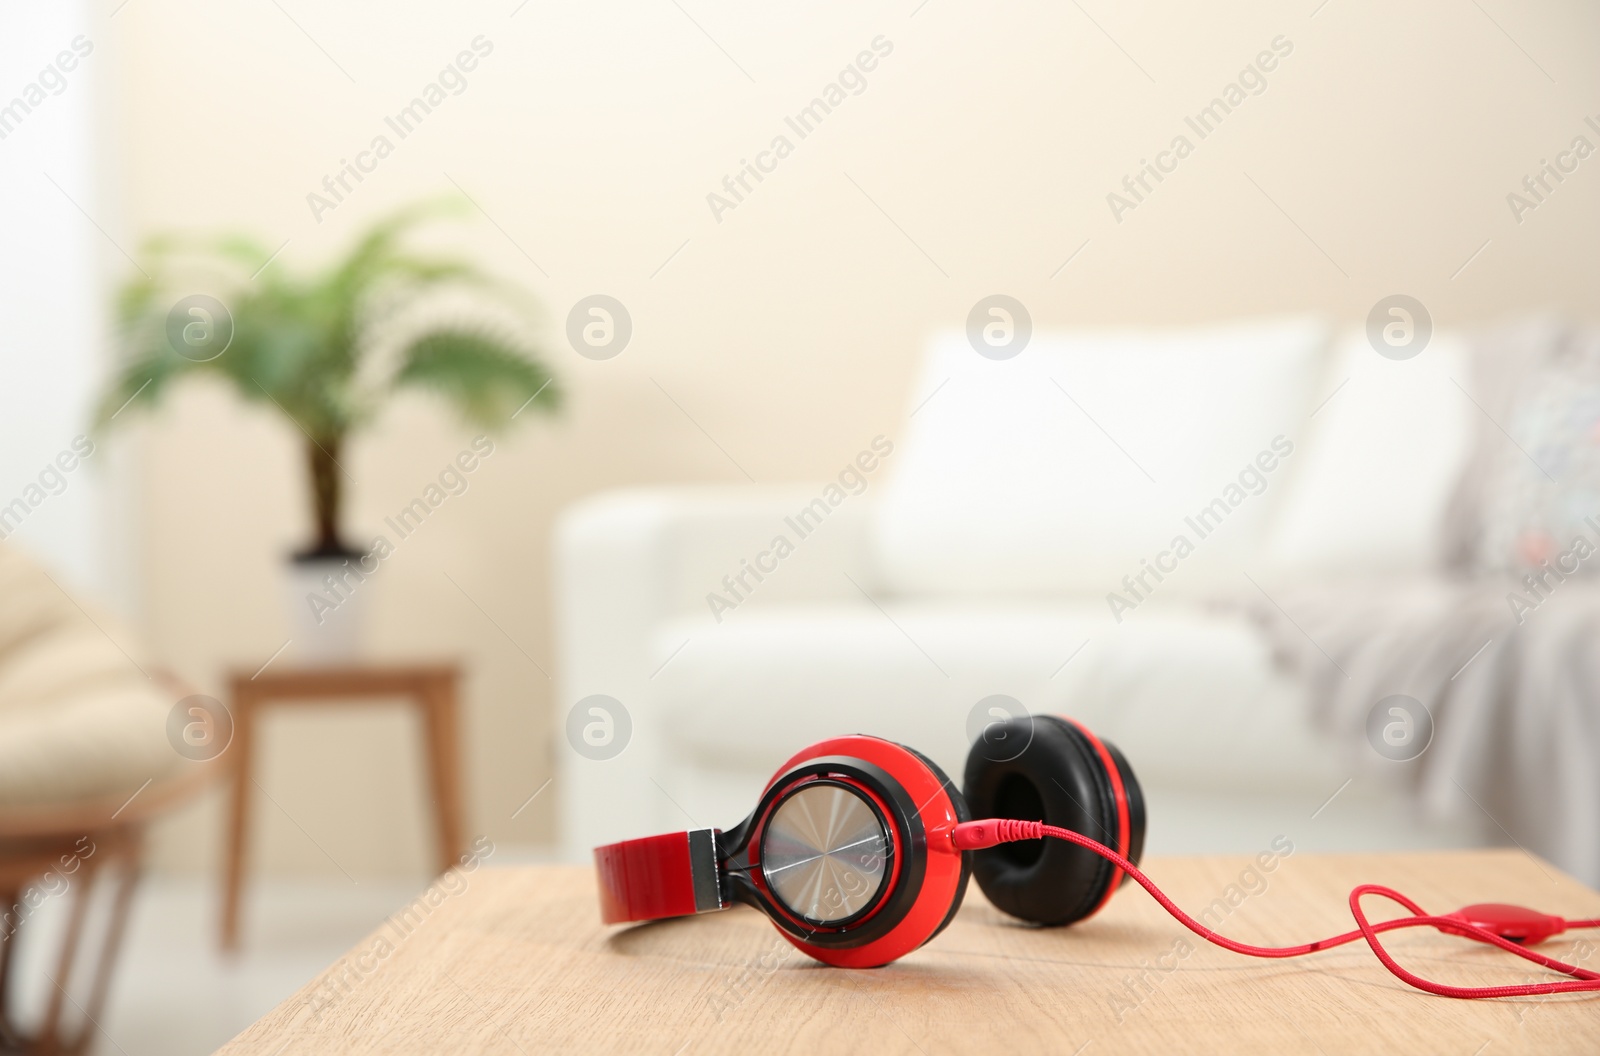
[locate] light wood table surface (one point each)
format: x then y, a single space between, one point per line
516 961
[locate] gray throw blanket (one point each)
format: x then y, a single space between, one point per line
1513 689
1516 725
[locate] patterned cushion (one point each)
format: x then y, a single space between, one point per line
1542 487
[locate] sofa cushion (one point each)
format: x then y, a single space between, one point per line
1067 467
1379 465
1191 695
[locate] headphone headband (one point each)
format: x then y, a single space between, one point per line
675 874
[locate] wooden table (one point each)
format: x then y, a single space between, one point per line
430 687
516 960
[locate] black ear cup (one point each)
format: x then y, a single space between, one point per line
1045 768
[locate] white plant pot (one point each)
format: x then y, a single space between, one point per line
327 617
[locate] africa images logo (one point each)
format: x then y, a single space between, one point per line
1252 80
852 80
337 186
852 480
1252 480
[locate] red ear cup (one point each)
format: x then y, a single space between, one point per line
1065 776
849 851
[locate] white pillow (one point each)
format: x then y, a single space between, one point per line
1380 464
1075 463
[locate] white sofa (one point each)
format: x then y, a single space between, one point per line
976 557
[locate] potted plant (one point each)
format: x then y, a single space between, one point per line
326 350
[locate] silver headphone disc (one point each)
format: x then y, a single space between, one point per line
824 853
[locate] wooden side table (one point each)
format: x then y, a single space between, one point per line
431 688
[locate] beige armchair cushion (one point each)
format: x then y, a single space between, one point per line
79 720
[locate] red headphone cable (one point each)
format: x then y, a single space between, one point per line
977 835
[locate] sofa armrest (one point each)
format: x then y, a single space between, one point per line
628 561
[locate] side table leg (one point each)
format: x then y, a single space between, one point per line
444 767
241 777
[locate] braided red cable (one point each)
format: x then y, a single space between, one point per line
974 835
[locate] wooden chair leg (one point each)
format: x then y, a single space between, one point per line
50 1033
129 867
119 850
241 778
444 756
10 1040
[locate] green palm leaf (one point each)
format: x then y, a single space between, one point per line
486 378
301 342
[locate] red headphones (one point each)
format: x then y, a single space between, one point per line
859 851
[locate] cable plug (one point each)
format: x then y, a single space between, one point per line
987 832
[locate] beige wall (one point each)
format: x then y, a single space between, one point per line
788 330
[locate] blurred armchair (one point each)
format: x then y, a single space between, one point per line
85 763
